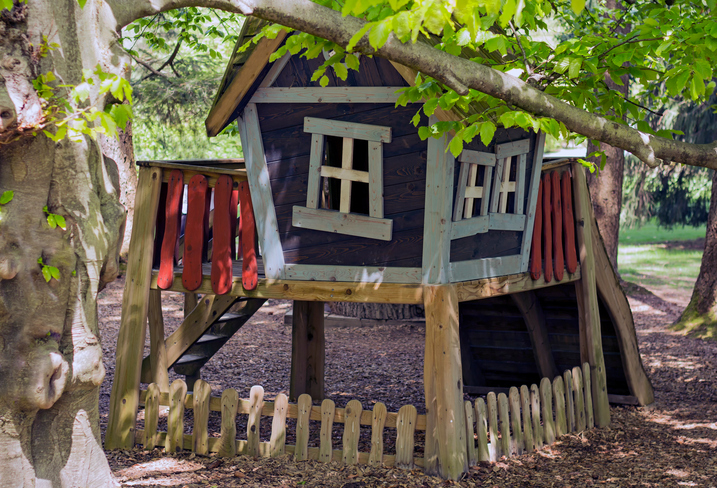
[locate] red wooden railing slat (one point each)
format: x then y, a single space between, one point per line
571 257
547 229
221 248
250 270
558 257
159 227
536 251
173 216
194 232
233 208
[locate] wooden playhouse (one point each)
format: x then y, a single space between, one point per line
340 200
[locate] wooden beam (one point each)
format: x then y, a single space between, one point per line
587 298
351 224
340 128
274 71
442 377
335 94
484 268
316 290
511 149
615 301
124 399
529 306
439 205
316 156
358 274
157 349
261 195
502 285
308 350
241 84
470 227
347 162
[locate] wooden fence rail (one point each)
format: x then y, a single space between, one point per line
499 425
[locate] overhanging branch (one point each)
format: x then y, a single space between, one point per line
453 71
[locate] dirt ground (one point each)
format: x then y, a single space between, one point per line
671 443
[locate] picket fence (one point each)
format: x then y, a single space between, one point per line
499 425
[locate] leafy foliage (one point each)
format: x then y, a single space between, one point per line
669 54
181 56
68 111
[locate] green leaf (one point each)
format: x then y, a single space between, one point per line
577 6
60 220
324 81
507 120
54 272
456 146
357 37
424 132
352 61
379 34
508 12
82 5
7 197
430 106
51 221
574 69
486 132
402 25
46 273
6 4
341 71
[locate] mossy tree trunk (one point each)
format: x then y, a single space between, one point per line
700 316
50 351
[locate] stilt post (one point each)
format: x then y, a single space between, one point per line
308 350
124 399
443 383
587 298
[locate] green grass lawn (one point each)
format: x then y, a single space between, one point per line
651 233
645 258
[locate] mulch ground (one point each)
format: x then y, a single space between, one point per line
671 443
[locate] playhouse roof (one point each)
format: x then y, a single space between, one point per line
248 67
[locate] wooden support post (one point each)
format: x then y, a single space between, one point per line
445 434
124 399
586 290
157 348
308 350
529 306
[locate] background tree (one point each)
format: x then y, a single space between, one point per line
699 123
50 353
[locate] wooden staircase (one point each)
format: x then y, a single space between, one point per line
204 331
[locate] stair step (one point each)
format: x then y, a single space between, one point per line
228 317
190 358
211 338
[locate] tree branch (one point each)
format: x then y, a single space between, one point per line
453 71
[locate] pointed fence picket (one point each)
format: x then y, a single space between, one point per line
499 425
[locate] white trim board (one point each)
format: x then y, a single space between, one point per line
357 274
262 198
532 201
485 268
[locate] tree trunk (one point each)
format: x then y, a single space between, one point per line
121 151
50 352
700 316
606 196
380 311
606 188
